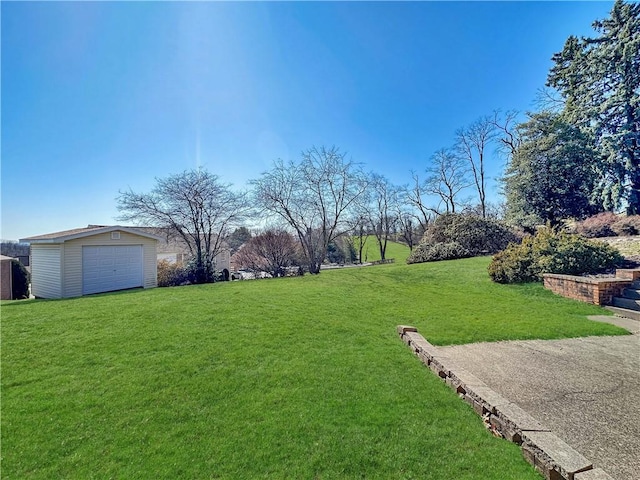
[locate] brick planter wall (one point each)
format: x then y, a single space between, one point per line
599 291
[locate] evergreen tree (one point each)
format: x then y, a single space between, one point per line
599 79
237 238
551 175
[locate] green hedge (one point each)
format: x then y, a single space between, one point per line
552 252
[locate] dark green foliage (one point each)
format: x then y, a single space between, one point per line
341 251
431 252
551 175
599 79
237 238
20 281
335 254
552 252
476 234
515 264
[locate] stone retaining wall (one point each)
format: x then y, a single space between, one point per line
552 457
598 291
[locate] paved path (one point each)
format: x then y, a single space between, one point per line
586 390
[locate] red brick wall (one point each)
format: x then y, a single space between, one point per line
599 291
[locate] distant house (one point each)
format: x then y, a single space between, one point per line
174 249
93 259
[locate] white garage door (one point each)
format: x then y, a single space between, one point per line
107 268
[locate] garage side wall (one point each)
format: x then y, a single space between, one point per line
73 259
46 271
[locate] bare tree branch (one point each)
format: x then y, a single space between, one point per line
193 205
471 143
312 196
414 194
447 177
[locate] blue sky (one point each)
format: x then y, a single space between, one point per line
99 97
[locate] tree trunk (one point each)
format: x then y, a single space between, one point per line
314 268
633 206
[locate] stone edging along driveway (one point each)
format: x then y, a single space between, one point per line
551 456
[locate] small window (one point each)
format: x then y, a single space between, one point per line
115 235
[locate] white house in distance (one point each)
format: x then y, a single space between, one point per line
173 249
90 260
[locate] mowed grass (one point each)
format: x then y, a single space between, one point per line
284 378
398 251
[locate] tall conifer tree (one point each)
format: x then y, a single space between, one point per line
599 79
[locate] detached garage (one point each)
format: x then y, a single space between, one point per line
90 260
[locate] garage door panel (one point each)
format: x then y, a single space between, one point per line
108 268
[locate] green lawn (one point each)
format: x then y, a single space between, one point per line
398 251
284 378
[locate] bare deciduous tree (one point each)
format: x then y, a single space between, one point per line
471 143
414 196
447 177
313 196
193 205
407 227
357 232
508 131
381 210
271 251
14 249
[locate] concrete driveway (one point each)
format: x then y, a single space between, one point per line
586 390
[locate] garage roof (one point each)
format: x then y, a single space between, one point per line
59 237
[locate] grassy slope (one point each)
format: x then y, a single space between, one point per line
287 378
397 251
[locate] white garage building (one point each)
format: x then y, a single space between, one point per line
92 260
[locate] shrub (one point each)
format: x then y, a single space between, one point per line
552 252
431 252
20 281
515 264
476 234
599 225
627 226
172 274
335 254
